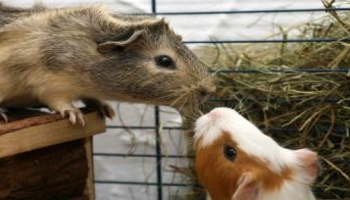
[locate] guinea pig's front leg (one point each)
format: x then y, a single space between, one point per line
65 108
104 108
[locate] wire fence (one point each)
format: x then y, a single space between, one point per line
157 127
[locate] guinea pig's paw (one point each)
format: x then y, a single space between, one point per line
75 116
3 115
103 108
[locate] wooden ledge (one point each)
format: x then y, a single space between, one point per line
30 130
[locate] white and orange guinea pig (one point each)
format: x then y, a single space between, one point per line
236 161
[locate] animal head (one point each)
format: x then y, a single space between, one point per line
155 64
235 160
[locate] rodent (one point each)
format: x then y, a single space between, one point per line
235 161
57 56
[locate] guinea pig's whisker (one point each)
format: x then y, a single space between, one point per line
176 102
178 99
165 96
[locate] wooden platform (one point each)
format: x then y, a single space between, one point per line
43 156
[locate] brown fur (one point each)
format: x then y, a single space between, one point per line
223 186
55 57
9 14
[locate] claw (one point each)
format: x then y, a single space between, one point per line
75 116
108 111
104 109
62 113
4 117
81 118
72 117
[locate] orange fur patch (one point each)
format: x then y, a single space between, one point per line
220 175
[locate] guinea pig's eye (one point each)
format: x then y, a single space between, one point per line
165 62
230 153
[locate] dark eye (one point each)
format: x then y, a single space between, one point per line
230 153
165 61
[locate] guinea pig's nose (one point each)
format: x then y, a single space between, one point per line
309 160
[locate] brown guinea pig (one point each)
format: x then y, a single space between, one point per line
57 56
236 161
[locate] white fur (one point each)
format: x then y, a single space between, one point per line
253 142
291 190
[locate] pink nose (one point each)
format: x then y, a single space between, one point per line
309 160
215 114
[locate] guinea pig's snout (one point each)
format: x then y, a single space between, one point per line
215 114
310 161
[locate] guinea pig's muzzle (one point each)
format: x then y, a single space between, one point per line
310 162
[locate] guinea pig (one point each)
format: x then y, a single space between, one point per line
236 161
57 56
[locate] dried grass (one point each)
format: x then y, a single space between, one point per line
290 91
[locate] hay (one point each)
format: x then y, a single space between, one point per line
291 92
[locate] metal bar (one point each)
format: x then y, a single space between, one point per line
254 11
154 7
317 40
158 154
248 71
273 129
240 11
140 155
338 161
272 100
143 183
158 140
144 127
233 100
157 124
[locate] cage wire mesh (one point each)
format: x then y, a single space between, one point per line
150 159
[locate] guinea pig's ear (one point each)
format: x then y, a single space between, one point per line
246 189
110 45
158 27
